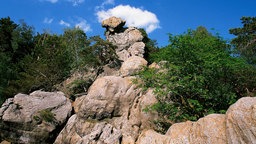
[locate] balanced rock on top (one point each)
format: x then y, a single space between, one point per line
113 23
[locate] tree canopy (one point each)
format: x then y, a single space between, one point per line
245 41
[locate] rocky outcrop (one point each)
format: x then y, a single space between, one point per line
113 24
112 109
79 82
33 118
132 65
236 126
128 40
241 121
112 112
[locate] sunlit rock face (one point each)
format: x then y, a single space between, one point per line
111 112
33 118
235 127
128 40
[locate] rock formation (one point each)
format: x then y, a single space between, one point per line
33 118
128 40
112 110
237 126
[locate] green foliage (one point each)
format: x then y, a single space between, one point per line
79 86
245 42
30 62
15 43
76 42
101 52
199 76
46 115
150 46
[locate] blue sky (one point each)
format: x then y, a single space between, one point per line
158 17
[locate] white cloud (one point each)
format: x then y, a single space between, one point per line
82 24
134 17
76 2
48 20
62 22
51 1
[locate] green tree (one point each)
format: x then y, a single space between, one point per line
199 76
7 68
76 41
47 65
245 41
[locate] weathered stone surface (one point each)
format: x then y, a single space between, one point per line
113 23
152 137
137 49
128 40
108 97
125 40
33 118
5 142
241 121
112 103
81 131
209 129
237 126
132 65
87 77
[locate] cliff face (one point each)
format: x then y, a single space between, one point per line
112 109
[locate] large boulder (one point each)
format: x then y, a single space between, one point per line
111 112
113 24
79 130
132 65
241 121
210 129
152 137
207 130
237 126
33 118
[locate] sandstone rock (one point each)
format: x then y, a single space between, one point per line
108 97
113 23
241 121
132 65
154 65
128 40
33 118
81 131
207 130
5 142
210 129
137 49
237 126
152 137
112 104
125 40
69 86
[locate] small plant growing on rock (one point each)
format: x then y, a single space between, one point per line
46 115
